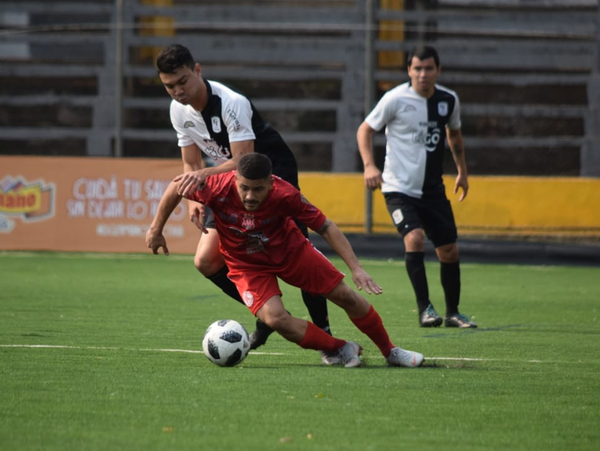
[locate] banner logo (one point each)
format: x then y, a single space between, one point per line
29 201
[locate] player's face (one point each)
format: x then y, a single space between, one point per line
423 75
184 84
253 192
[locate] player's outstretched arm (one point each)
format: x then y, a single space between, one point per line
339 243
154 237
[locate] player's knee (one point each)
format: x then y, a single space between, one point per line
415 240
280 322
207 266
448 253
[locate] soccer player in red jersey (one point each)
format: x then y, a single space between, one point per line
260 242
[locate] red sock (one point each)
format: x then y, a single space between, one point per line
315 338
372 326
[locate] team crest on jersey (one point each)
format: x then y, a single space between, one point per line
443 108
248 222
216 124
188 124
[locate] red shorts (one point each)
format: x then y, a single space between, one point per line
308 269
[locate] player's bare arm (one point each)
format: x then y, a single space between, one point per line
372 175
339 243
154 236
456 144
191 181
193 161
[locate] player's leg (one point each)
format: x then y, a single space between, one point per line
367 320
306 334
406 218
262 296
315 303
209 262
312 271
441 228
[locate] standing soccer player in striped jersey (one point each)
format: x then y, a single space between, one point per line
418 116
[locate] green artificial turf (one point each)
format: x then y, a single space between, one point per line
101 352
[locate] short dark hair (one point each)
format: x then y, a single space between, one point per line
173 57
255 166
423 52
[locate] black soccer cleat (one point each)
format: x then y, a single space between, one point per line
460 320
430 318
260 335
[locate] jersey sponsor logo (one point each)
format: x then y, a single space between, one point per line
432 139
216 124
188 124
248 222
255 242
443 108
234 120
231 219
214 151
429 139
248 298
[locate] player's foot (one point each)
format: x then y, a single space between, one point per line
350 354
331 358
430 318
260 335
402 357
459 320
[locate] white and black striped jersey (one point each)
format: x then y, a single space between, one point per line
228 117
416 134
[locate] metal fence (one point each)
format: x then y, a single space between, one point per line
78 78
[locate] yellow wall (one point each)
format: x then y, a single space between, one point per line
521 206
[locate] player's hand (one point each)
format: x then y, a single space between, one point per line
155 241
461 182
197 215
373 179
364 281
190 182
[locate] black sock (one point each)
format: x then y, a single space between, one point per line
450 276
317 308
415 267
221 280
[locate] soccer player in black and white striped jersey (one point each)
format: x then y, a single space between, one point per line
419 116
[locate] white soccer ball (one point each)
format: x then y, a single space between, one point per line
226 342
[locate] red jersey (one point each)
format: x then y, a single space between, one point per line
266 237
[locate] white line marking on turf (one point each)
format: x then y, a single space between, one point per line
113 348
192 351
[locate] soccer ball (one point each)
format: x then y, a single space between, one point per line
226 342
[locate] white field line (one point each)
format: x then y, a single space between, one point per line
114 348
190 351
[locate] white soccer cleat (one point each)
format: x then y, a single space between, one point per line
331 358
402 357
350 354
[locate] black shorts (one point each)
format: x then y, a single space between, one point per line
209 219
433 215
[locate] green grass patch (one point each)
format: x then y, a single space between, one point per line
92 357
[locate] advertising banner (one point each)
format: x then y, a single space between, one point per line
87 204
